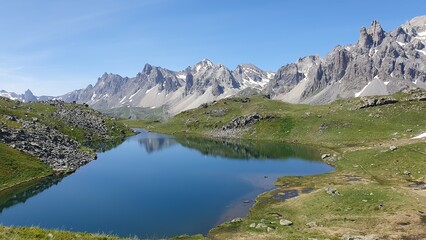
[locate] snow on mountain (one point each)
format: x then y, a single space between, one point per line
379 63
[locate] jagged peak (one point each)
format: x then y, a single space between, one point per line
203 64
247 65
105 75
147 68
206 61
311 58
372 36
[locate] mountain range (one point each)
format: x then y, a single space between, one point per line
379 63
28 96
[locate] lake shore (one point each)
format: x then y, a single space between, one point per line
378 188
376 192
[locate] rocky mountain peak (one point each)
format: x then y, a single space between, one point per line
28 92
376 32
203 65
147 69
29 96
372 36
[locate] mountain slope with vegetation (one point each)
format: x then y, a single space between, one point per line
42 138
378 190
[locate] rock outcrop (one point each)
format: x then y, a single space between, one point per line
52 147
58 134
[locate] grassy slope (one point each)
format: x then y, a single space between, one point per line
151 114
16 167
42 111
38 233
374 195
301 123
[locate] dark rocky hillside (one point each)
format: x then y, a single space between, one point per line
59 134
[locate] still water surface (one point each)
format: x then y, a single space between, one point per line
154 186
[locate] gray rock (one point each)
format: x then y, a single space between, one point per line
285 222
393 148
332 191
311 224
54 148
261 225
242 122
236 220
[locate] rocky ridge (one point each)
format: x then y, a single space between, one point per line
154 87
52 147
28 96
379 63
55 137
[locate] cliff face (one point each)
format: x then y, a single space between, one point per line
380 63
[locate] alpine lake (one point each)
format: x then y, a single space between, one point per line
156 186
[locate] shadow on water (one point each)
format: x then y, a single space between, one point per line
228 148
240 149
103 146
21 193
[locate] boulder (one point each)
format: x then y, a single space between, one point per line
285 222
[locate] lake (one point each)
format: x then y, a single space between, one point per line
154 186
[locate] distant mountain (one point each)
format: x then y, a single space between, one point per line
154 87
380 63
28 96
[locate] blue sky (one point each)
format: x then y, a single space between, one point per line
56 46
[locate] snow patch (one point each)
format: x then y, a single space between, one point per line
270 75
422 34
423 135
386 83
400 43
131 96
7 95
121 101
421 51
360 92
181 76
93 96
149 90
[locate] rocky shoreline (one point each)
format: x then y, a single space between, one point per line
60 139
52 147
